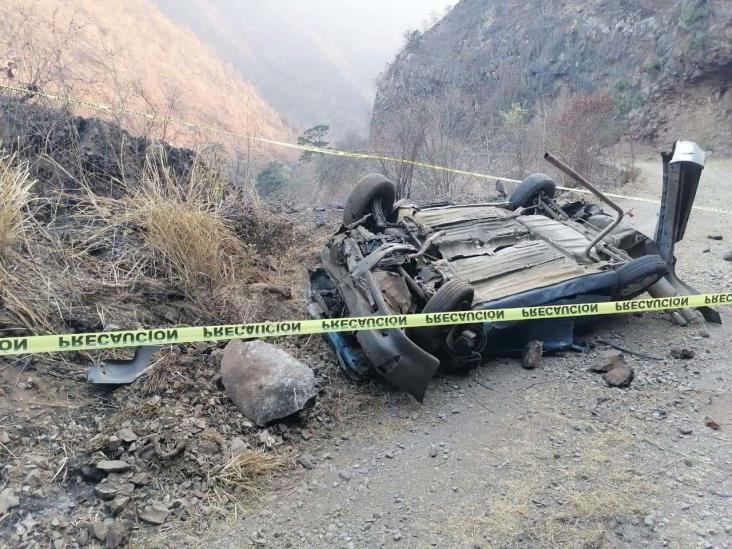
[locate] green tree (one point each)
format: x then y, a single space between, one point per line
273 179
313 137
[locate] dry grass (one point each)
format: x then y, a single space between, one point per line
15 186
182 223
242 471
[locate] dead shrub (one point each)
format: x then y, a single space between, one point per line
15 185
181 222
244 469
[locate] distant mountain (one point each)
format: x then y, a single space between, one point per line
316 61
666 64
128 52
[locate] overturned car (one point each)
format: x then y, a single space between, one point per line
399 257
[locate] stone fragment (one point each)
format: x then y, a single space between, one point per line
8 500
100 530
727 256
117 505
265 382
345 475
108 490
620 376
531 357
713 425
715 236
118 533
113 466
237 446
607 361
682 353
140 479
127 435
155 513
306 460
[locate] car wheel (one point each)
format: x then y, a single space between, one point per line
529 190
637 275
373 194
453 295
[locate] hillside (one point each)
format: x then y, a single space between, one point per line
317 61
666 64
128 54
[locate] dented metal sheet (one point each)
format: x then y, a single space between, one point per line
527 265
562 236
437 217
480 238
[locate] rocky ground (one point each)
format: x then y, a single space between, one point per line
502 457
510 457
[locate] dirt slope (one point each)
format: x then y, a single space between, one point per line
127 53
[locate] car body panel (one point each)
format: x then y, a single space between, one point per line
528 256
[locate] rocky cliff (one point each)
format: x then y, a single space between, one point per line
666 64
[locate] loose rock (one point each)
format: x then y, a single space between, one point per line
715 236
155 513
118 533
727 256
126 435
608 360
620 376
113 466
532 355
306 460
682 353
265 382
8 500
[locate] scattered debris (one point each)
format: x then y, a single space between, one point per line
113 466
612 365
620 376
628 351
265 382
682 353
531 357
709 422
608 360
155 513
306 460
8 500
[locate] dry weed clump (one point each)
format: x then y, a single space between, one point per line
182 224
15 186
242 471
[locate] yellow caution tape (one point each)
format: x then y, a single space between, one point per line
190 334
307 148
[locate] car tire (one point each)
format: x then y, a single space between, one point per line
529 190
369 189
453 295
637 275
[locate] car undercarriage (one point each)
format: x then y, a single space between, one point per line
397 257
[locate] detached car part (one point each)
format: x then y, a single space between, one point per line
398 258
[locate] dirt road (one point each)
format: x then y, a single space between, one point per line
551 457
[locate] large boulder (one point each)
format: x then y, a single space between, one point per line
265 382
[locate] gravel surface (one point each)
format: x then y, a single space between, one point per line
506 456
525 458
